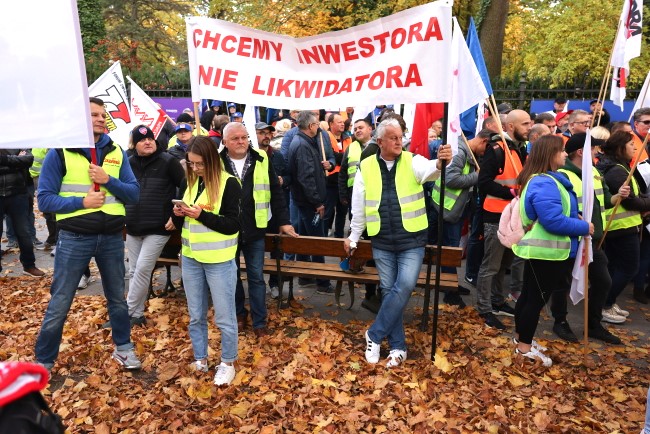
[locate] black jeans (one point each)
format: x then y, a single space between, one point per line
17 207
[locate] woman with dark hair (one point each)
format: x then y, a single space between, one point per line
549 209
622 244
210 229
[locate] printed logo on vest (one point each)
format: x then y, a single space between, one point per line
112 161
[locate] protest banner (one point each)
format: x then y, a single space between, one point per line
144 110
43 84
111 89
396 58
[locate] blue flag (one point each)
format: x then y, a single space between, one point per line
468 118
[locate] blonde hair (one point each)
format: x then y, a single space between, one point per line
282 126
600 133
204 147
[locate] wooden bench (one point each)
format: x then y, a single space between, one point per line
333 247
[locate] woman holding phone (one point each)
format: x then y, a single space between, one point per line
209 236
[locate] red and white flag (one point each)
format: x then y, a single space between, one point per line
144 111
111 89
467 88
578 282
627 46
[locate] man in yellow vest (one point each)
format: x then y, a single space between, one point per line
88 200
262 196
388 201
599 278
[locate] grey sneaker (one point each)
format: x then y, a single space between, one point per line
128 359
12 244
38 244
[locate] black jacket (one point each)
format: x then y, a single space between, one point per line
249 230
159 176
13 171
308 185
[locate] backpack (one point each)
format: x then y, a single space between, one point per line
511 229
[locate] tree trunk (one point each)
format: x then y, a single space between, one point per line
493 29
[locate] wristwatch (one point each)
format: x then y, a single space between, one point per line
353 245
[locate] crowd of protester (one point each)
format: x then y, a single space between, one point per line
313 173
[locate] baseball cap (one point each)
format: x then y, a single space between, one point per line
187 127
577 141
264 126
232 104
561 115
238 115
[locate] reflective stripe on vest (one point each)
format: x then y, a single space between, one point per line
39 157
576 181
451 194
77 182
409 193
200 242
625 218
508 179
261 190
538 243
354 158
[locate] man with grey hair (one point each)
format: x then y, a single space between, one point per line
308 186
388 201
579 121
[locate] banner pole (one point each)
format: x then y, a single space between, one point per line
197 119
585 260
608 68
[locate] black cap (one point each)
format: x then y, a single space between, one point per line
141 132
264 126
577 141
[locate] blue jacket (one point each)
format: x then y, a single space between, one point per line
544 204
125 188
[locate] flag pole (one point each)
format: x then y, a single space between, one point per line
436 296
197 119
585 260
627 182
470 150
608 68
495 115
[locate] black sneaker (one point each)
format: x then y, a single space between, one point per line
492 321
306 282
454 299
471 281
326 290
602 334
564 332
504 310
137 321
372 304
463 291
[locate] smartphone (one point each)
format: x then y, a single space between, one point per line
180 203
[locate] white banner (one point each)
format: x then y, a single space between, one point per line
111 89
397 58
643 100
44 101
144 110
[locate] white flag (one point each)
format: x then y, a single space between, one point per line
249 123
578 274
110 88
44 102
467 88
643 99
144 111
627 46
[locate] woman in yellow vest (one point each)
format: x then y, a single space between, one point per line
209 236
549 208
622 244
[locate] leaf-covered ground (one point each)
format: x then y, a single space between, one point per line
310 375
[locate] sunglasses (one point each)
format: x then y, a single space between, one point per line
646 122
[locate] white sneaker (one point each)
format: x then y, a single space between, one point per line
200 365
535 354
372 350
618 311
225 374
610 316
83 283
534 343
128 359
275 292
396 358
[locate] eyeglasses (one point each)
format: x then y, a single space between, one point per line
646 122
197 164
583 123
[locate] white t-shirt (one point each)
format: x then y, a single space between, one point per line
239 165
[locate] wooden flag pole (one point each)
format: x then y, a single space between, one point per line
585 259
495 115
627 182
608 68
470 150
197 119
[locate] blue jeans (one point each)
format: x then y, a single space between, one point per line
73 252
254 255
17 207
398 273
450 234
307 228
219 280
